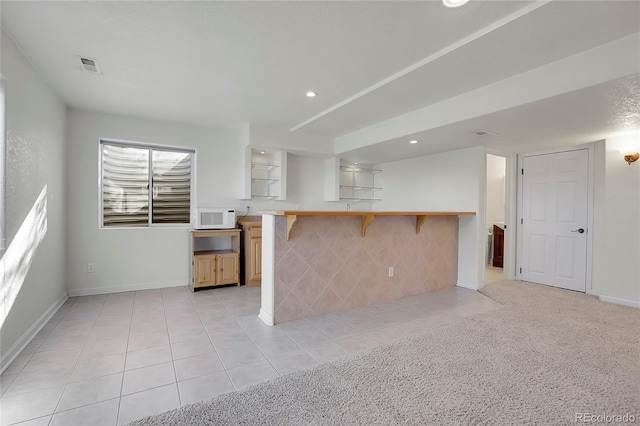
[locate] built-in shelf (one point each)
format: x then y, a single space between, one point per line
356 169
357 184
265 174
260 165
264 196
373 200
350 182
360 187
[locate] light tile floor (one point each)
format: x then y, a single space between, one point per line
110 359
493 274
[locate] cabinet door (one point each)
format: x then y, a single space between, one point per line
227 272
204 270
255 268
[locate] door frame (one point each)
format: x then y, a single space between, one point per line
591 149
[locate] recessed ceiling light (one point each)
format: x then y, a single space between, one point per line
261 152
355 162
413 141
454 3
311 94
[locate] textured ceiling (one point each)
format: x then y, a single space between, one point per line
226 63
218 62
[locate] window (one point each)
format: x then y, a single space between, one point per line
3 148
144 185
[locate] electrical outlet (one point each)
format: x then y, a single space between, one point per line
91 268
390 271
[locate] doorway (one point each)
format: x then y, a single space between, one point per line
554 218
495 217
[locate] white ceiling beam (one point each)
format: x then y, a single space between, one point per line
594 66
442 52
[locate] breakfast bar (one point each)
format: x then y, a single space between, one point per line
319 262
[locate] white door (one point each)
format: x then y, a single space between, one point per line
554 219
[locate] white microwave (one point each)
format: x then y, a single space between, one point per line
214 219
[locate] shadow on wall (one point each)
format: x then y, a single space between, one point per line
17 259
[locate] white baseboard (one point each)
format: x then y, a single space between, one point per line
625 302
28 336
130 287
470 286
265 317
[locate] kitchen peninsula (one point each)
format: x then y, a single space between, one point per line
318 262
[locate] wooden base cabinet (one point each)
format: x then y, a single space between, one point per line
252 243
212 267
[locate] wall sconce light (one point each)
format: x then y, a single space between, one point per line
631 158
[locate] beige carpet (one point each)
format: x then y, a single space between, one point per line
547 355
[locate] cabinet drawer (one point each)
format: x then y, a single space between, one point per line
255 231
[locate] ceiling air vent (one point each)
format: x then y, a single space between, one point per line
484 133
90 65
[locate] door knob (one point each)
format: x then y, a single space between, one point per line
579 230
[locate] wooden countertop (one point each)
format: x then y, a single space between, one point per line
361 213
367 216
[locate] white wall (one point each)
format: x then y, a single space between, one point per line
138 258
450 181
616 265
33 267
496 170
127 259
296 142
